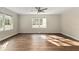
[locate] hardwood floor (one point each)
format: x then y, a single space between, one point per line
34 42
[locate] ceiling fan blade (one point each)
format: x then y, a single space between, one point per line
45 9
40 9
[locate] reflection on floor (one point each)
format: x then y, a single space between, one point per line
61 41
39 42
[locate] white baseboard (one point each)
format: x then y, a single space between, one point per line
71 36
8 36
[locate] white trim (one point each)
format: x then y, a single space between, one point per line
70 36
7 36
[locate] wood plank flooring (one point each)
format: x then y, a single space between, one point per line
61 41
34 42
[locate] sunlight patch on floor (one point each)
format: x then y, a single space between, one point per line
3 47
60 41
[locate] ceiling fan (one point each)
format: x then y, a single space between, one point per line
40 9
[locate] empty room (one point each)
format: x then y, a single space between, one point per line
39 28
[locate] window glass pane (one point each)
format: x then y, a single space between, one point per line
8 22
35 23
39 23
1 23
44 24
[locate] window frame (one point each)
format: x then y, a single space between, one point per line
12 21
10 25
2 21
40 24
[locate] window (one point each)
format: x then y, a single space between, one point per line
39 23
6 22
1 23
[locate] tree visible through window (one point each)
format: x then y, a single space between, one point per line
39 23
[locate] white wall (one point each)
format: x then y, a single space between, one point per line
26 24
6 34
70 23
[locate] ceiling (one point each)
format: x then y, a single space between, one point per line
32 10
